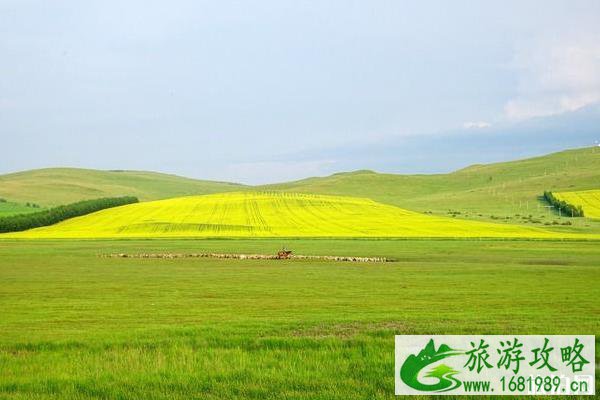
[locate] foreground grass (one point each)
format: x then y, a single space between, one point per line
75 325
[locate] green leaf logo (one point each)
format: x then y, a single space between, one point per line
409 371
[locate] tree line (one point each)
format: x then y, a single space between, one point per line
22 222
561 205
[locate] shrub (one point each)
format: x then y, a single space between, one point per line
22 222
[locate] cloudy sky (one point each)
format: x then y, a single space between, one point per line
264 91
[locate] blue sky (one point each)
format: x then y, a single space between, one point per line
264 91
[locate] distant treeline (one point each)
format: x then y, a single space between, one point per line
567 209
22 222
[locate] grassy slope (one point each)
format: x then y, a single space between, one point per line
10 208
502 189
589 200
56 186
274 214
75 325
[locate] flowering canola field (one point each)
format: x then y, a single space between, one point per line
272 214
589 200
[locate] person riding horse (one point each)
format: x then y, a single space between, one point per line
284 254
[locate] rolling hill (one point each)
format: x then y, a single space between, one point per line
489 192
57 186
272 214
507 192
589 200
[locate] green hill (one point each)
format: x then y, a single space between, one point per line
55 186
495 192
507 192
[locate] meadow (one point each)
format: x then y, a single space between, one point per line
474 251
8 208
589 200
76 325
58 186
275 214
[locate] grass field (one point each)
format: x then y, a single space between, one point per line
10 208
58 186
589 200
75 325
275 214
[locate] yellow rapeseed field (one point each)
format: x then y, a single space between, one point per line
270 214
589 200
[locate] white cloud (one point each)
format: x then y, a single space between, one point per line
476 125
556 76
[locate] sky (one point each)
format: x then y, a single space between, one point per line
269 91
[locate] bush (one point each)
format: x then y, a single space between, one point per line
2 200
569 210
22 222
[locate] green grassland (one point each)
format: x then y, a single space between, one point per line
490 192
75 325
274 214
589 200
10 208
57 186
